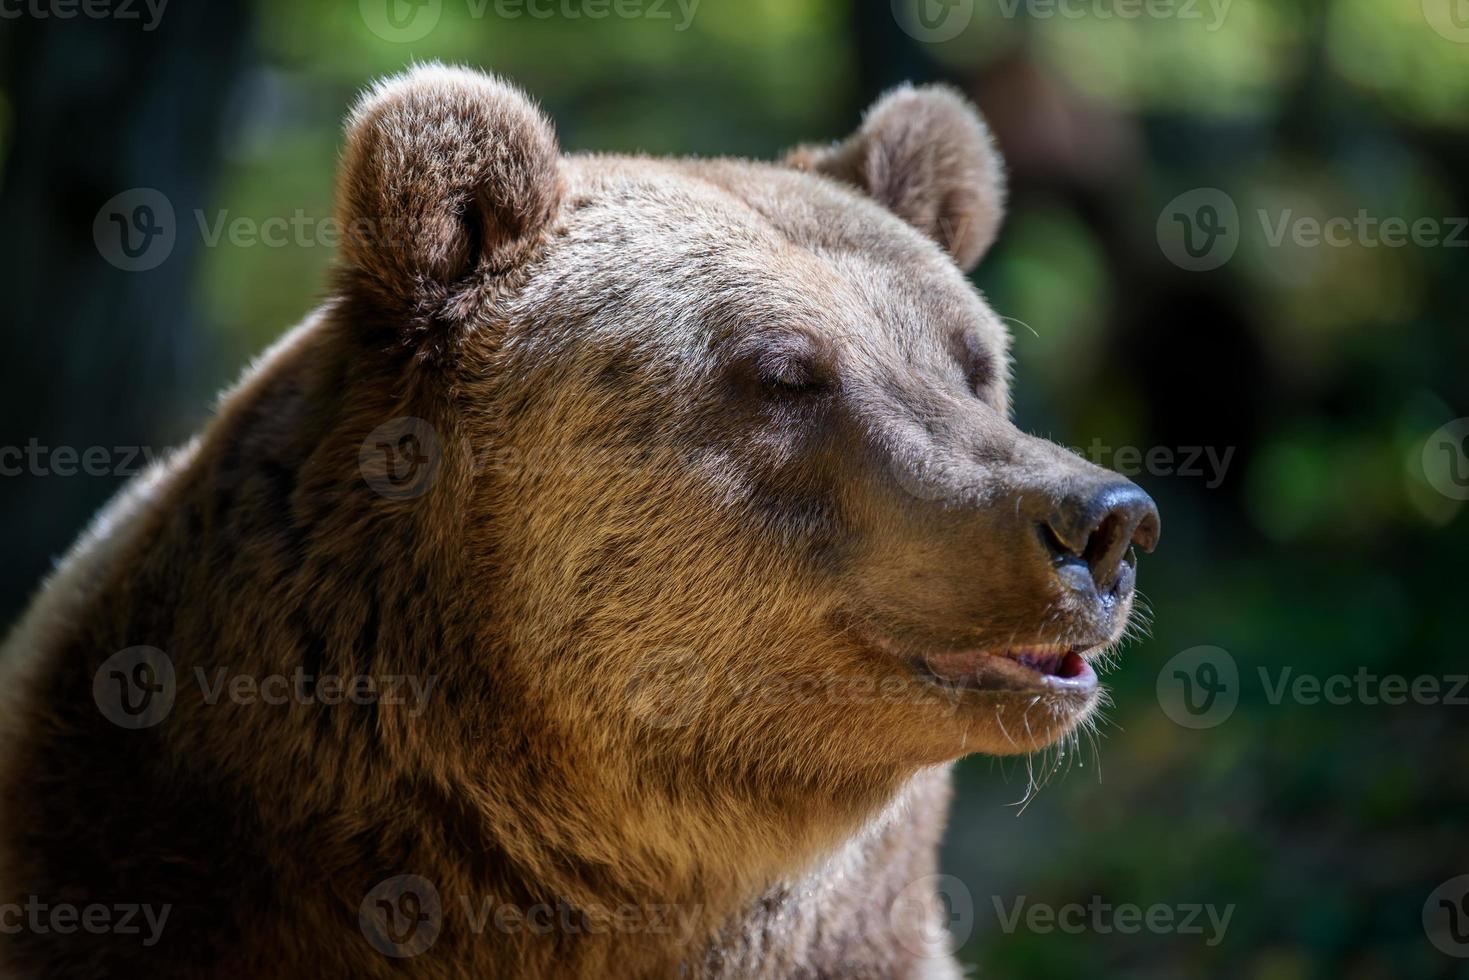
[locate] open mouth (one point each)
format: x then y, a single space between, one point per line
1038 668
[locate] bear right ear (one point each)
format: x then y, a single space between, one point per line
447 184
926 154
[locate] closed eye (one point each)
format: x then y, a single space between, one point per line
792 377
791 365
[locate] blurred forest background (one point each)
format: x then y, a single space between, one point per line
1327 535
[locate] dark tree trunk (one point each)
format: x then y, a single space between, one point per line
99 356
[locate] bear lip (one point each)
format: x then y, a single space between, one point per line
1037 667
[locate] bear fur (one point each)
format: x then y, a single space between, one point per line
699 456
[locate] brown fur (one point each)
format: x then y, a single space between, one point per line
952 189
667 581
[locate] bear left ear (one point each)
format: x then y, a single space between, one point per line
927 155
447 184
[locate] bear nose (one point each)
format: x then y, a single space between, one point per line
1100 524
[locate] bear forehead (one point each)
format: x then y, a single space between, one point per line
704 250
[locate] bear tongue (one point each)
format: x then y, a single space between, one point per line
1057 663
1071 665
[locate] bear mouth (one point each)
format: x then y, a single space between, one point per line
1054 668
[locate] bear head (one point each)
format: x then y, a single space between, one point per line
727 445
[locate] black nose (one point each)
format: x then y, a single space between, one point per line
1100 524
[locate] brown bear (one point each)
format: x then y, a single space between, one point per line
599 584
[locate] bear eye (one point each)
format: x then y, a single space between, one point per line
791 376
789 365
